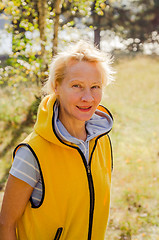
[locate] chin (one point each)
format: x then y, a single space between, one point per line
84 118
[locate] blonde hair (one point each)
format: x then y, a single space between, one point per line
82 51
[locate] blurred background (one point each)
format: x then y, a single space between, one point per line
32 32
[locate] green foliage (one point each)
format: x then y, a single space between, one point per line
143 24
25 63
20 69
33 108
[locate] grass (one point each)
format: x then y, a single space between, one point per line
14 124
134 101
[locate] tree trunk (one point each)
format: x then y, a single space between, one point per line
96 24
58 5
97 37
42 11
96 20
42 4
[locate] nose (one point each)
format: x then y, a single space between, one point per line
87 96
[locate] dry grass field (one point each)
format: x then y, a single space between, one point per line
134 102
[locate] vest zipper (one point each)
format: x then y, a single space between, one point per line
58 233
91 190
88 171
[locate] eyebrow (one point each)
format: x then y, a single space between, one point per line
74 80
97 82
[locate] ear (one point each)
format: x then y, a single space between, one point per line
56 88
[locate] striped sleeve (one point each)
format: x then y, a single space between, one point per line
25 167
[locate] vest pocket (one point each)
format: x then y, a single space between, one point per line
58 233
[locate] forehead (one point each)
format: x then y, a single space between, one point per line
83 69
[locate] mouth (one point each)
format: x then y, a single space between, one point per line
84 108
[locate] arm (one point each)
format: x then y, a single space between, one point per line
15 199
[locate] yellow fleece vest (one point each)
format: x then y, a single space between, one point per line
75 203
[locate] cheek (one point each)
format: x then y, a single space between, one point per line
68 98
98 97
73 96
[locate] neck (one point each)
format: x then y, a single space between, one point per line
74 129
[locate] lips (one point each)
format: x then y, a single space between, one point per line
84 108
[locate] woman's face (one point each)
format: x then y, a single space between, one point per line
80 92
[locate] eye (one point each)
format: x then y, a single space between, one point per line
76 86
96 87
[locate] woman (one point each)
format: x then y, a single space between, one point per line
59 183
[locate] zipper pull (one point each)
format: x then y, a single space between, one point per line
89 169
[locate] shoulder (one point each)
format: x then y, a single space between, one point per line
25 166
